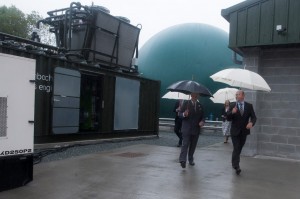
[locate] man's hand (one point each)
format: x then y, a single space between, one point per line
249 125
201 123
234 110
186 113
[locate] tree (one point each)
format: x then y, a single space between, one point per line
14 22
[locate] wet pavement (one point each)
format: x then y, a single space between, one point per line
151 171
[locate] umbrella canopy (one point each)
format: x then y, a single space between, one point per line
224 94
176 95
241 78
188 87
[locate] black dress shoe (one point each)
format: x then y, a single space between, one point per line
238 171
183 164
192 163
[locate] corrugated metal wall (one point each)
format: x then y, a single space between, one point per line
255 24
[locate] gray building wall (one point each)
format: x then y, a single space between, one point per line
277 132
251 62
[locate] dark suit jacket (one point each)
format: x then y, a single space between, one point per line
190 124
177 118
239 122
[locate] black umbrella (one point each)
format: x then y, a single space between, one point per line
188 87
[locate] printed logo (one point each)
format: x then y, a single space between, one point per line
15 152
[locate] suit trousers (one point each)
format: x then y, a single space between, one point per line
188 148
177 130
238 144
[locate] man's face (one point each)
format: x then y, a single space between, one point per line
239 96
194 96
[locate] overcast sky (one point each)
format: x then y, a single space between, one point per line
153 15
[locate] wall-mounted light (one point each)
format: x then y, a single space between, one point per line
280 29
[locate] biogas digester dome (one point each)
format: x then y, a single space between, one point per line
190 51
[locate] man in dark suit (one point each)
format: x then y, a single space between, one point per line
243 119
178 121
193 119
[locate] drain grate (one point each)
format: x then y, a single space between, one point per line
131 154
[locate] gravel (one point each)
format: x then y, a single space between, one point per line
165 138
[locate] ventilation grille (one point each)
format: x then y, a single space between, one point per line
3 116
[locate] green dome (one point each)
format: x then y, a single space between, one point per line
190 51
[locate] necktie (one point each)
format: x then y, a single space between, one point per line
241 108
194 104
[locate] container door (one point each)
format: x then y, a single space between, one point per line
126 114
66 101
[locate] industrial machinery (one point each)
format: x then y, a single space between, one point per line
73 91
92 35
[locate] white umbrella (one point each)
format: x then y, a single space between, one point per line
176 95
241 78
224 94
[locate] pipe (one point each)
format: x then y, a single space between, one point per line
77 4
38 23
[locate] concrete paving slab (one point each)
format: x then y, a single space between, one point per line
153 172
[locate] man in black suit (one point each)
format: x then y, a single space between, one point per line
243 118
178 121
193 119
